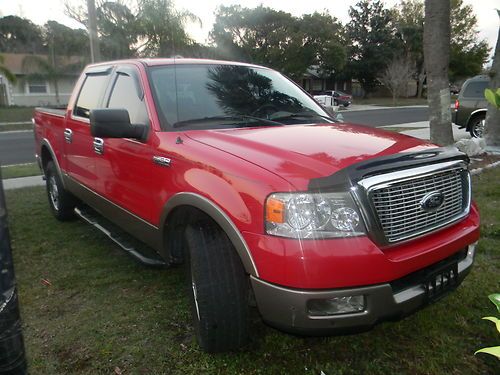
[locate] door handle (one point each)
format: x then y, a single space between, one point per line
68 135
99 146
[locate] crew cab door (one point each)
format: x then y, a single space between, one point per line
78 141
124 166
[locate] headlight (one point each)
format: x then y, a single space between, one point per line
318 215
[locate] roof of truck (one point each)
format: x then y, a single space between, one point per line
176 61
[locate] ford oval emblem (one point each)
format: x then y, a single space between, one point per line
432 201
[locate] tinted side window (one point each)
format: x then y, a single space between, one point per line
125 96
475 89
90 94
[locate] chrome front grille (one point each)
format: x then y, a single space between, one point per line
398 204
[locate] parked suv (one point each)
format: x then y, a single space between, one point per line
470 107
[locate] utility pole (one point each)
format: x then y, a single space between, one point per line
95 54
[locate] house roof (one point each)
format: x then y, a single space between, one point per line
14 62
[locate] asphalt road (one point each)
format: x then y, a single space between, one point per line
381 117
18 147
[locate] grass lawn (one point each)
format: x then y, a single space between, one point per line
20 170
16 114
89 309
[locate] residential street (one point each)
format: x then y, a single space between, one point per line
18 147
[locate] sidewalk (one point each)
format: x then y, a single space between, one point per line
373 107
422 130
17 183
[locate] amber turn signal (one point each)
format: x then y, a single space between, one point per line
275 211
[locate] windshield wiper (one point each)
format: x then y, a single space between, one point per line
183 123
284 115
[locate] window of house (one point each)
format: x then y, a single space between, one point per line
124 96
37 87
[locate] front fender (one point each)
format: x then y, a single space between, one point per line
220 217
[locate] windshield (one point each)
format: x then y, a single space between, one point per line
214 96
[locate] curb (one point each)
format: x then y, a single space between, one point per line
480 170
15 123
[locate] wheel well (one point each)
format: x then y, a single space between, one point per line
175 225
476 115
46 156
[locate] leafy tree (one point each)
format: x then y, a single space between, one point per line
373 42
324 39
261 35
117 26
437 54
118 30
163 27
64 41
277 39
20 35
5 71
468 54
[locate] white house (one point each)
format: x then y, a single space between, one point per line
35 92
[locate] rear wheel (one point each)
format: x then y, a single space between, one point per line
218 288
476 127
62 203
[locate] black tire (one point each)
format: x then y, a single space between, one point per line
62 203
476 126
218 289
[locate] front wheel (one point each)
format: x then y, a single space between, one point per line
218 288
62 203
476 128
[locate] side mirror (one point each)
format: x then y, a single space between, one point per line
115 123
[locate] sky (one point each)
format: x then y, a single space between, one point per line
40 11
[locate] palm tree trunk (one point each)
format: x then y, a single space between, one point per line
437 56
492 134
56 89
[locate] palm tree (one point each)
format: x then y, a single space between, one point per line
6 72
437 56
492 125
163 27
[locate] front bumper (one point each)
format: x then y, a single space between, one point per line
286 308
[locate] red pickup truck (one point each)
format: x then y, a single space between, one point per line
235 171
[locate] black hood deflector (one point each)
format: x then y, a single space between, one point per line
349 176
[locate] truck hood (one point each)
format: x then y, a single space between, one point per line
299 153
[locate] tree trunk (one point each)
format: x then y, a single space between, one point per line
420 83
492 131
437 56
95 53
